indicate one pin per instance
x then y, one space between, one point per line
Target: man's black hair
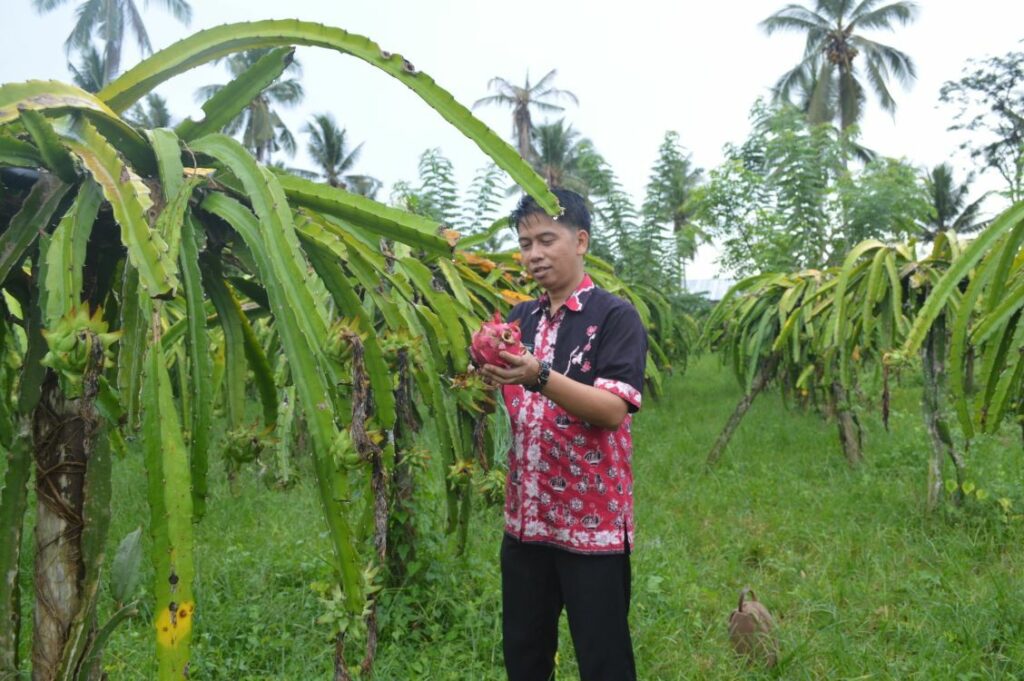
575 213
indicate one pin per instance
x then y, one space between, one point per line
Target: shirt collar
574 302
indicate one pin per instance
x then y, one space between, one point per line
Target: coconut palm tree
111 20
151 115
364 185
91 72
670 200
329 148
829 70
950 209
539 96
558 155
263 130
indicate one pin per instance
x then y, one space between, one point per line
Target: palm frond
303 173
494 99
205 92
543 82
90 74
864 7
87 17
134 18
238 123
547 107
876 77
884 17
499 83
180 10
47 5
555 92
897 62
353 156
284 138
364 185
286 92
794 18
797 77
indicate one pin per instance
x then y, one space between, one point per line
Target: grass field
864 584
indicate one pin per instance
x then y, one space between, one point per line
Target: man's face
552 253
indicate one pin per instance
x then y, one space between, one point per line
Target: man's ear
582 241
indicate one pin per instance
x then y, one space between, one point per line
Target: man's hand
522 369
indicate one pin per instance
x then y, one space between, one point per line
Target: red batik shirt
570 484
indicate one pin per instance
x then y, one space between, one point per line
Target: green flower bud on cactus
344 451
246 443
71 343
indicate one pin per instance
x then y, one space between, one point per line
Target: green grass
864 584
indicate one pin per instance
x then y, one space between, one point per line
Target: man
569 495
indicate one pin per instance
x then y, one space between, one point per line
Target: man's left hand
522 369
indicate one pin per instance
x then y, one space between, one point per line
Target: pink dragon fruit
494 337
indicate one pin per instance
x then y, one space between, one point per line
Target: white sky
639 68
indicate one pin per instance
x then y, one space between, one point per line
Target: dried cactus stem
933 364
64 432
362 405
764 375
848 425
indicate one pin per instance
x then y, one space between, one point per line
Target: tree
768 204
829 77
991 103
522 99
786 200
329 148
263 130
482 206
437 195
559 153
949 209
669 201
111 20
91 72
884 200
153 114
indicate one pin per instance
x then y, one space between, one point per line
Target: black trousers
537 581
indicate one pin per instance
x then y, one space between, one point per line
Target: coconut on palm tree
838 58
950 209
263 130
112 20
330 149
539 96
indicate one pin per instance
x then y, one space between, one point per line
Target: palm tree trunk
524 130
764 375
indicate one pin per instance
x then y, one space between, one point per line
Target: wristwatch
542 377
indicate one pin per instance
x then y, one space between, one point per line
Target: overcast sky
639 68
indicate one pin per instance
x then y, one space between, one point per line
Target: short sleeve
518 312
622 355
